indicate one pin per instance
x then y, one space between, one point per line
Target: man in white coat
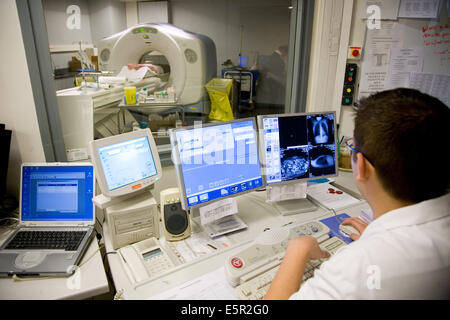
399 166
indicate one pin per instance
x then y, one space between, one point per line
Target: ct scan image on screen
299 147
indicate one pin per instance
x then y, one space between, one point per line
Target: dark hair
406 134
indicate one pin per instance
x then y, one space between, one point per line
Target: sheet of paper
403 62
211 286
436 85
134 75
286 192
440 88
419 9
421 81
330 196
217 210
197 245
375 63
388 8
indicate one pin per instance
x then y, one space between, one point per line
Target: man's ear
363 167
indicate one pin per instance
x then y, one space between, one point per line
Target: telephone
146 259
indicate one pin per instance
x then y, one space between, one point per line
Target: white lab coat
404 254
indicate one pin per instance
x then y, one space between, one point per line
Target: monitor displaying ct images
298 146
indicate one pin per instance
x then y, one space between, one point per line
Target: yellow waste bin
218 91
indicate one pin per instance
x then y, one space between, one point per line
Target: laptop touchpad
29 259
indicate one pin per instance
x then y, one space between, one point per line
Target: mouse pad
333 224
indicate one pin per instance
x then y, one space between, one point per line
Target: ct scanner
92 113
191 57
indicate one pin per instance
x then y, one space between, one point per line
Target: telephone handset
146 259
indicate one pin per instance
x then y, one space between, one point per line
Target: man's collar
415 214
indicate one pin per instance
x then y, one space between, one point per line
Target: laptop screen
57 193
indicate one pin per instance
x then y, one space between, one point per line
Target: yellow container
130 95
218 91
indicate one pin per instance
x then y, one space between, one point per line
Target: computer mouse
347 230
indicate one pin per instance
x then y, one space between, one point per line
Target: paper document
211 286
403 62
217 210
419 8
197 245
286 192
330 196
375 63
436 85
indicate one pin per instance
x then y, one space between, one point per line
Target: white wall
17 109
357 34
328 56
265 25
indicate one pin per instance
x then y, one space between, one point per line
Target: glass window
252 44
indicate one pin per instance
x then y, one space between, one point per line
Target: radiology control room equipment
214 163
191 58
126 167
252 269
296 148
146 259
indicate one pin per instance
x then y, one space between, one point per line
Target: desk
90 280
253 210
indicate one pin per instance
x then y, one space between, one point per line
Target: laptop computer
56 220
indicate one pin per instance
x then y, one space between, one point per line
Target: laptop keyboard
64 240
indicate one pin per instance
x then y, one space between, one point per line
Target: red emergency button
236 262
355 53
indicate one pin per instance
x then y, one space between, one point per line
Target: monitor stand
103 202
290 198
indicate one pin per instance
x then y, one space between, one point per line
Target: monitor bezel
177 162
132 187
262 150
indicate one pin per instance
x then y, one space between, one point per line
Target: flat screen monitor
298 147
216 161
126 163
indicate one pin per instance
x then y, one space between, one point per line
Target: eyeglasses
349 144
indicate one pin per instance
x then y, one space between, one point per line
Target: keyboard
52 240
257 287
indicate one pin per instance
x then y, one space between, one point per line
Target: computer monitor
298 147
126 163
215 161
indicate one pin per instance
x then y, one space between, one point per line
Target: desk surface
253 210
88 281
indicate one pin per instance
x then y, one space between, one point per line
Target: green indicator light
350 74
142 30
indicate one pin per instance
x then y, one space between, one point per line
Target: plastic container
130 95
143 95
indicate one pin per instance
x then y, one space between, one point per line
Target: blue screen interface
59 193
218 161
127 162
299 147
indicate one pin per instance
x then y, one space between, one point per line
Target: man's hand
311 245
356 223
289 277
